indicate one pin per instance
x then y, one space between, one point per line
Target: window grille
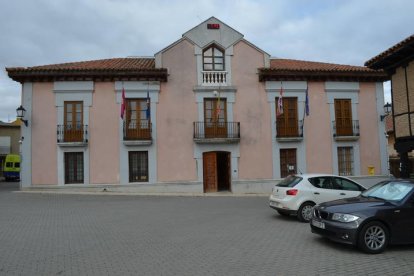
74 167
287 162
345 161
138 166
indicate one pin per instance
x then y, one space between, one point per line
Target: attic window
213 59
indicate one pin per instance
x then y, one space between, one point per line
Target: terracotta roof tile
102 64
301 65
291 69
115 68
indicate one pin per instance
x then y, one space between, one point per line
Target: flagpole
304 106
123 102
148 111
304 109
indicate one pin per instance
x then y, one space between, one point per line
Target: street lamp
20 114
387 111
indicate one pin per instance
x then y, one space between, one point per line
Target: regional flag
148 113
280 102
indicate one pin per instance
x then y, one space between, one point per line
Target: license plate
318 224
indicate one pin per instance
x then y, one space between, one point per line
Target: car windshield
394 191
289 181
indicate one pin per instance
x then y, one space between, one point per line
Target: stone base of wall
238 187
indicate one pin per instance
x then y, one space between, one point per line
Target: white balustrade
214 78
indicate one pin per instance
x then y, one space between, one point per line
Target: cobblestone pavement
60 234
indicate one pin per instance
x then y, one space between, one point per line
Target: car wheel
305 212
373 237
283 213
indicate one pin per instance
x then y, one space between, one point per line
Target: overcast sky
44 32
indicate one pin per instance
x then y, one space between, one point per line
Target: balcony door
73 124
287 122
137 125
215 118
343 117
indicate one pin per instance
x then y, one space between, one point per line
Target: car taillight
292 192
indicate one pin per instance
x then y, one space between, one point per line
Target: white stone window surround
138 89
355 153
234 150
228 53
72 91
290 89
343 90
61 164
229 93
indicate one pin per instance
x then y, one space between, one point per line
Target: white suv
297 194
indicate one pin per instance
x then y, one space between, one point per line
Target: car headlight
344 217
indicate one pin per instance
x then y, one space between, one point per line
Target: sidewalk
238 188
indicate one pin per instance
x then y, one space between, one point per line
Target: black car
381 215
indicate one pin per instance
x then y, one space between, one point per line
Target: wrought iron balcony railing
72 133
213 78
212 130
137 130
345 128
294 130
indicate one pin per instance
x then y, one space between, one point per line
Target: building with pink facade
210 112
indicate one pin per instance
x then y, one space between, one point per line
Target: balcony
214 78
216 132
289 132
72 135
137 133
345 130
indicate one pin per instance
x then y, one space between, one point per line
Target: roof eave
392 57
295 75
22 75
392 61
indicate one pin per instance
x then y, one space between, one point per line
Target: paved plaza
61 234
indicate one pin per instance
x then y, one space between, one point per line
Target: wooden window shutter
343 117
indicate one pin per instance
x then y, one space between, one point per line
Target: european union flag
148 113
